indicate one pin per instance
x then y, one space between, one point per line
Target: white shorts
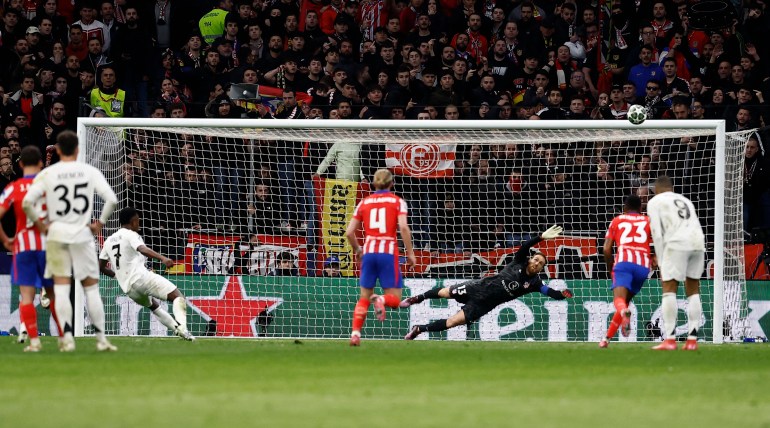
152 285
678 265
78 260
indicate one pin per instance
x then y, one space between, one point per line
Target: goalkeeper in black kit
479 296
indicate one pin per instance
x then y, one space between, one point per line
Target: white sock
180 311
669 310
63 309
95 310
165 318
694 311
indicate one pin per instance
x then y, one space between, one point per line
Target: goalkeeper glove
552 232
567 293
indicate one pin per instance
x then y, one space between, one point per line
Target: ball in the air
637 114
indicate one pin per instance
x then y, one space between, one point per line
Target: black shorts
471 295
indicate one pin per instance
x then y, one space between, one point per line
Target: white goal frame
704 127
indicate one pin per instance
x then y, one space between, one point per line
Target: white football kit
678 236
68 189
121 249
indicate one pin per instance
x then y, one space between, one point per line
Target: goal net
254 214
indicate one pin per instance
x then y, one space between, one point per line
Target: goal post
475 189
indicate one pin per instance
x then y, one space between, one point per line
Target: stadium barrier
253 306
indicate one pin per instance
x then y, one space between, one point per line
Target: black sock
431 294
438 325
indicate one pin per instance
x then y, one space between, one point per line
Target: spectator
672 85
618 108
285 265
95 57
11 30
346 157
158 111
26 99
55 123
197 191
332 267
449 234
684 58
645 71
87 83
48 10
698 110
92 27
655 105
170 96
131 45
742 120
262 211
553 109
629 94
289 109
756 186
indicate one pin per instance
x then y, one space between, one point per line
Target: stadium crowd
398 59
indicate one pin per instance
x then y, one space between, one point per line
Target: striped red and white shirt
379 214
632 236
28 238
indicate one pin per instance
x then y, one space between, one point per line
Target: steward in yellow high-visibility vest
107 96
212 25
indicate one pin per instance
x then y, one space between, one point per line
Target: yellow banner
339 204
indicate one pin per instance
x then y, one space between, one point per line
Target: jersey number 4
69 201
377 220
639 234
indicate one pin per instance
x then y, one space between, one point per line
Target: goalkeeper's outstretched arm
523 252
558 295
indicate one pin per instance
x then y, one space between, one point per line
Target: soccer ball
45 302
637 114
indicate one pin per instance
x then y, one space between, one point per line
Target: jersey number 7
116 247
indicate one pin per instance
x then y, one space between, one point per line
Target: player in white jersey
680 248
125 251
68 188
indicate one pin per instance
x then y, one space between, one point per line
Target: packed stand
388 59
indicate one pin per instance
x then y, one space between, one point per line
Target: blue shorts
28 268
382 266
630 276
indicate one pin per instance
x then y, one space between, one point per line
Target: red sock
55 318
620 304
391 300
614 325
359 314
29 315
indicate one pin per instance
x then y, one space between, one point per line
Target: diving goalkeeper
479 296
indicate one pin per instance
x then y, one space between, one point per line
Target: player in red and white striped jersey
28 246
383 215
631 265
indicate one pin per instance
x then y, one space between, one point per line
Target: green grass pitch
314 383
